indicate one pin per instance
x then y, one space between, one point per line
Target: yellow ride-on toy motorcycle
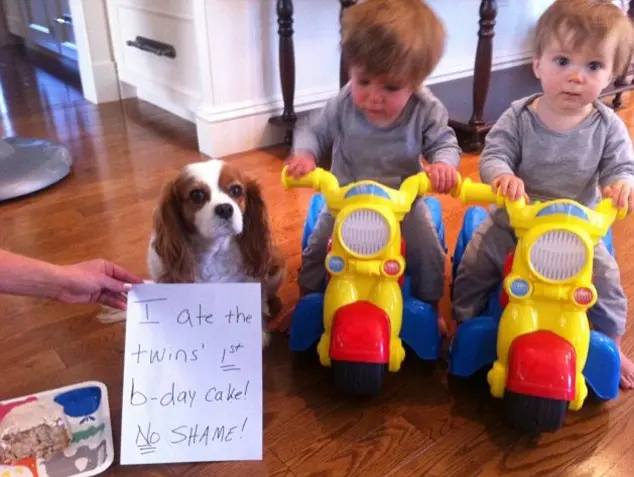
544 350
366 312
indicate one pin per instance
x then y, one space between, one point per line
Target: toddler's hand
300 165
621 193
509 185
444 177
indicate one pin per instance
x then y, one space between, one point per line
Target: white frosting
30 415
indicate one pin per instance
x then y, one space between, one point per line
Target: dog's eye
197 196
235 191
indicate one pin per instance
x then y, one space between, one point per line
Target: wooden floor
422 425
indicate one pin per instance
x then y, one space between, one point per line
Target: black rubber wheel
534 415
358 379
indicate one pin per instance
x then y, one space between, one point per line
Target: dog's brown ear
171 241
255 239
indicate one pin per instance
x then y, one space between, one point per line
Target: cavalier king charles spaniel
211 226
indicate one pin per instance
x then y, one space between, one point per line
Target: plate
88 413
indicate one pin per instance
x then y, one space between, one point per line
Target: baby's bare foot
627 372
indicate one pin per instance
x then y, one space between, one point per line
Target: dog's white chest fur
222 262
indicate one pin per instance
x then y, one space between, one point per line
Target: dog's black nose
224 211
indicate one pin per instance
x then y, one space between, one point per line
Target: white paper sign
192 389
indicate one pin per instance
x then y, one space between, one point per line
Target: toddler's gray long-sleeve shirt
389 154
559 164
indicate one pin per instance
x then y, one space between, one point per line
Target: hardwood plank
373 455
135 470
270 466
22 373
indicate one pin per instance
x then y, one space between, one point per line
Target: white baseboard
222 137
126 90
158 98
106 82
242 127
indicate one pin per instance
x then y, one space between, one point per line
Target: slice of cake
37 429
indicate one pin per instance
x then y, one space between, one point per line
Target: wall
511 43
243 44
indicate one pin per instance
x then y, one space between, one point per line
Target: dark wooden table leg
287 65
343 69
622 80
482 69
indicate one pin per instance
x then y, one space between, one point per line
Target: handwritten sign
192 389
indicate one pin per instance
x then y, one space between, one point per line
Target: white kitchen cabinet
43 23
155 48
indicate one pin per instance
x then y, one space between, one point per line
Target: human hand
95 281
621 193
509 185
300 164
444 177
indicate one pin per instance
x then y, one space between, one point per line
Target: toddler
378 126
560 143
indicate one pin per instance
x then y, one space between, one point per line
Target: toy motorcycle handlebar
327 184
602 217
319 179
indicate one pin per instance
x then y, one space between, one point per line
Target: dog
211 226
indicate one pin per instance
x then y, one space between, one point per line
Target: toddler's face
572 79
381 100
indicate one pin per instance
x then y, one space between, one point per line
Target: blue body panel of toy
420 321
475 342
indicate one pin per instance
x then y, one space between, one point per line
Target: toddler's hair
399 39
587 23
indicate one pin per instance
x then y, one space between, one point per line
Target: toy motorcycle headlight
365 232
558 255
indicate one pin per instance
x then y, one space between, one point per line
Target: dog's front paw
107 315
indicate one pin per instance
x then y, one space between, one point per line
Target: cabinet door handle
65 19
152 46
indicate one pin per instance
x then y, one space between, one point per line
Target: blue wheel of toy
603 366
420 329
306 322
317 203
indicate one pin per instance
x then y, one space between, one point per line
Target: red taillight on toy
583 296
391 267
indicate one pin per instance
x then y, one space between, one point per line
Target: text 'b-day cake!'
34 429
